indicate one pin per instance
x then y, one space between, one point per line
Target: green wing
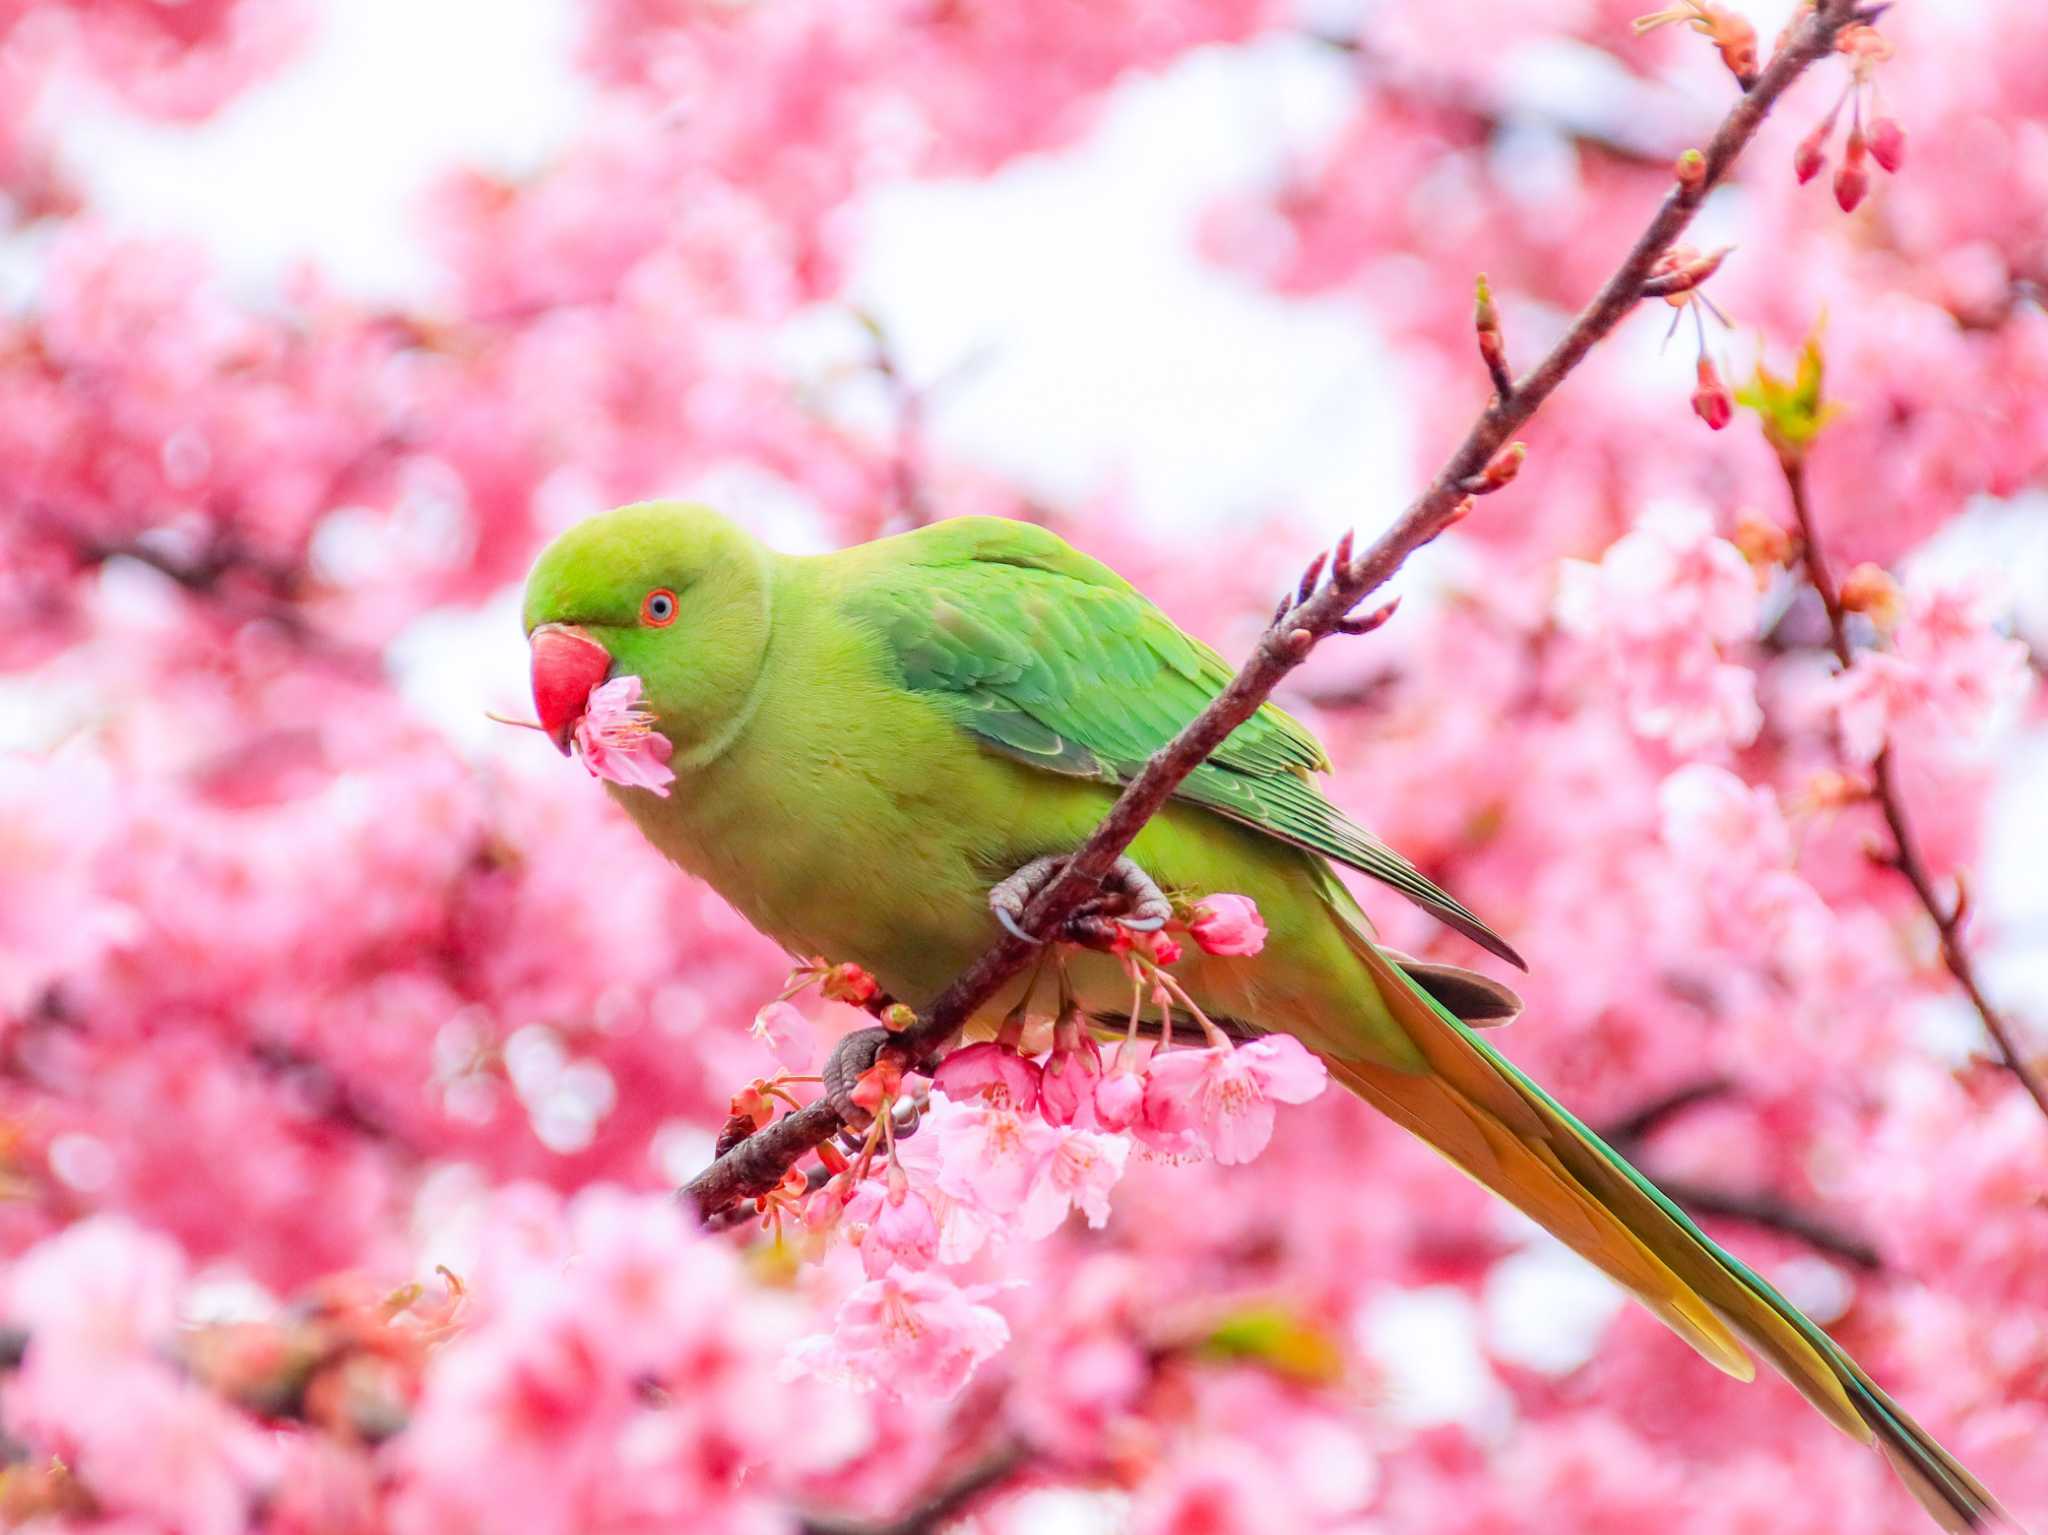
1052 658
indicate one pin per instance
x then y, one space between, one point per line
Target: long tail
1511 1136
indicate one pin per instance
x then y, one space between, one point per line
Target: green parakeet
865 742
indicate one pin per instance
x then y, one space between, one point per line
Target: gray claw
853 1055
1132 898
1011 925
1149 907
909 1117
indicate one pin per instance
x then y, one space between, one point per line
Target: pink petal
1285 1071
786 1034
1229 925
989 1071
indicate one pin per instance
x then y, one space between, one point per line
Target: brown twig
758 1164
1654 1115
1771 1213
1905 855
950 1502
1763 1210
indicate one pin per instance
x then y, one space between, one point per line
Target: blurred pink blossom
1947 674
907 1332
1662 608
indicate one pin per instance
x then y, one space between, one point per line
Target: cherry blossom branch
1905 855
1654 1115
1769 1213
1763 1210
1484 117
1483 462
948 1504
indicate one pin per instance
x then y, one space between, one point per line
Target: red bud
1888 143
881 1081
849 983
1710 400
1736 39
1811 154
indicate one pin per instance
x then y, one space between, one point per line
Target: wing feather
1053 659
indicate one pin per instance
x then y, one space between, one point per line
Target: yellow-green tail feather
1503 1130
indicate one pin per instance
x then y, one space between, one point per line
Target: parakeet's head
671 593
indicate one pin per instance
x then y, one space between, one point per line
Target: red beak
567 666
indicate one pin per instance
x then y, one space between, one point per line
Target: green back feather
1052 658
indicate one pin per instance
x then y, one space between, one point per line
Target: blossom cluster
345 1067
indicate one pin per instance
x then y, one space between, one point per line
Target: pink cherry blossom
965 1227
1709 815
895 1225
992 1072
907 1332
990 1155
1119 1097
1077 1174
1947 671
1662 607
618 741
1228 924
1225 1094
787 1035
1067 1085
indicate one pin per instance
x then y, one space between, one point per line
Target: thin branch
952 1501
1490 118
1771 1213
758 1164
1658 1112
1905 855
1763 1210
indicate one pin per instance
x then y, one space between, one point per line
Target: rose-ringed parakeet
866 742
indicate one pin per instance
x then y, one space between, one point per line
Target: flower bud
1831 789
1711 401
1229 925
1690 169
880 1082
849 983
1888 143
1119 1099
1763 542
1811 157
1864 45
1485 317
1486 323
1736 39
1852 181
1160 947
1500 470
753 1102
1871 591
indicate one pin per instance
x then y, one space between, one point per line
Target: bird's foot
851 1059
1130 900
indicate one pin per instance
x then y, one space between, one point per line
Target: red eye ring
658 610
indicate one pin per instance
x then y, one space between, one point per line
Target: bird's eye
660 608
